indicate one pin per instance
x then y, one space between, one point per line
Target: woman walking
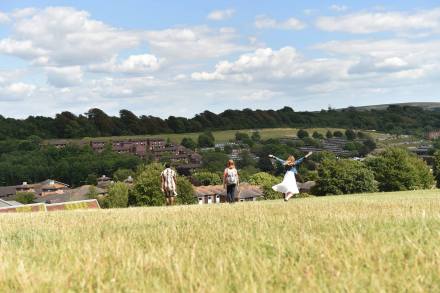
230 181
289 186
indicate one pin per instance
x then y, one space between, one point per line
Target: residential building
217 193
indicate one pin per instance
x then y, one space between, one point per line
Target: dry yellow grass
380 242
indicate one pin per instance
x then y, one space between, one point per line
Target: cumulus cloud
259 95
64 76
64 36
16 91
338 8
3 17
268 64
194 42
134 64
263 21
372 22
218 15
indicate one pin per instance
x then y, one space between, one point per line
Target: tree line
395 119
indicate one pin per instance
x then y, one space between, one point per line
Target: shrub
25 197
436 168
147 187
208 178
329 134
117 196
185 191
302 134
189 143
344 177
122 174
350 134
266 181
396 169
206 140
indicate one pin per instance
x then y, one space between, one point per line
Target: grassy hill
423 105
372 243
222 136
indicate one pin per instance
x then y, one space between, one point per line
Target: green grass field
364 243
225 135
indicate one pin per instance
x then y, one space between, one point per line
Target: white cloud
134 64
371 22
64 76
194 42
64 36
263 21
218 15
3 17
16 91
268 64
338 8
259 95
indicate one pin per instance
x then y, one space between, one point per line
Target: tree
205 140
246 160
266 181
338 133
189 143
436 168
302 134
396 169
317 135
350 134
121 174
185 191
147 187
344 177
214 161
25 197
117 196
227 149
329 134
256 137
208 178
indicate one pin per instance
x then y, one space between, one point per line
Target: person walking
231 181
289 186
169 184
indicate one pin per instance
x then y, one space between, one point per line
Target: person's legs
288 196
233 193
172 200
229 193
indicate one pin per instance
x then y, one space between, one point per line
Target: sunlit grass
380 242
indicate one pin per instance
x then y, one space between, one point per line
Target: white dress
288 185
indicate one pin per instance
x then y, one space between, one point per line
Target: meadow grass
361 243
222 135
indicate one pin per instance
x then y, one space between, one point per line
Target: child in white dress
289 186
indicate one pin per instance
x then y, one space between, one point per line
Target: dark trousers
230 193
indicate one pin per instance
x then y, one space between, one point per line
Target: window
200 200
217 199
209 199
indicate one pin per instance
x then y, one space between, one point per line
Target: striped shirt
168 176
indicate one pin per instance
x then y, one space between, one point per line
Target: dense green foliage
266 181
436 168
394 119
207 178
396 170
189 143
147 188
25 197
117 196
73 165
344 177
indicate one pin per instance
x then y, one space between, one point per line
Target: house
9 203
433 135
217 194
7 191
104 181
306 187
50 187
75 194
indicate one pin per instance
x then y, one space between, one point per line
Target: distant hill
433 106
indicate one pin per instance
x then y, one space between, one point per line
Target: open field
379 242
223 135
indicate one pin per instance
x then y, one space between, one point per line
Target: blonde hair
290 161
230 164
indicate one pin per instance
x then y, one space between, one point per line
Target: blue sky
182 57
